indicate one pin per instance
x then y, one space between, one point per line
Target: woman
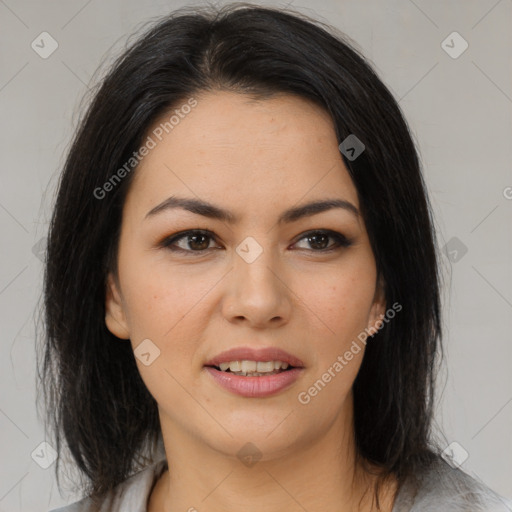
242 288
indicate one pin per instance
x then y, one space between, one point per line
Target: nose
257 292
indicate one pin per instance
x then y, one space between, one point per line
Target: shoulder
129 496
443 487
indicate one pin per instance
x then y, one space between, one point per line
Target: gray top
440 489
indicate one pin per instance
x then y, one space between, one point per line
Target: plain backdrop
459 108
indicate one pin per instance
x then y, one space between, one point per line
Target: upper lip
255 354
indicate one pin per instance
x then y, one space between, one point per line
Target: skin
256 159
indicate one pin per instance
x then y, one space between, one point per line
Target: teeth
256 374
253 367
265 366
237 366
249 366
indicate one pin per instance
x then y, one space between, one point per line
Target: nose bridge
258 291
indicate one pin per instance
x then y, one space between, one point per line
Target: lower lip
255 387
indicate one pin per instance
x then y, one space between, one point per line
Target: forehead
232 149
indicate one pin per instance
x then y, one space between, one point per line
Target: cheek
341 306
159 297
170 308
340 300
165 308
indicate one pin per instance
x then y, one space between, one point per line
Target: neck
319 474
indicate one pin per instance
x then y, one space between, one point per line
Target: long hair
97 404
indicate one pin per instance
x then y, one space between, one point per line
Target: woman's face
252 282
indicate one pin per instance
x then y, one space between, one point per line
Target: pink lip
251 354
255 387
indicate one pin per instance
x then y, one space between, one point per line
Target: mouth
255 373
248 368
247 361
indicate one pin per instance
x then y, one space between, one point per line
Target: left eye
198 241
320 238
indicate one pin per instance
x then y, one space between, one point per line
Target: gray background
458 108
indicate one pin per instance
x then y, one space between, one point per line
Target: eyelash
340 241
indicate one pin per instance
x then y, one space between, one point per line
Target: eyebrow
293 214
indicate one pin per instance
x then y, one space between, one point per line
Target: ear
378 309
115 317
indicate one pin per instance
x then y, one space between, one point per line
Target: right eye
194 241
